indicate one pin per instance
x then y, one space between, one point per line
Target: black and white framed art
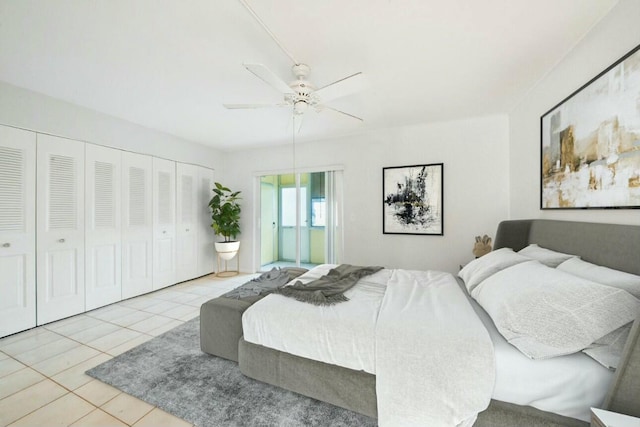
412 199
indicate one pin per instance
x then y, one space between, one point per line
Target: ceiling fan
300 94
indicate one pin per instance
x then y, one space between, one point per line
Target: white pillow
481 268
546 312
603 275
546 256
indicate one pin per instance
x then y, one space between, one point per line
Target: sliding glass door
299 215
268 221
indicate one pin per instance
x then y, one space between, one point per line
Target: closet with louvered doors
103 259
60 228
206 236
137 224
17 230
164 223
83 226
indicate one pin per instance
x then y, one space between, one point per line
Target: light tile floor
42 379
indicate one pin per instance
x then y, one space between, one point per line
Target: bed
352 383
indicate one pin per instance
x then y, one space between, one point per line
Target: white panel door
60 228
206 236
164 223
17 230
137 224
187 222
103 281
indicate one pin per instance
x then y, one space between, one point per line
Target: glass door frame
257 211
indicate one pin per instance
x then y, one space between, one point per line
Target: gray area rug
171 372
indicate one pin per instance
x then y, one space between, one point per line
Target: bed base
347 388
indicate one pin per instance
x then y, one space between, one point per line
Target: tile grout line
49 403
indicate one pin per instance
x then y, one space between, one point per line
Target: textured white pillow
546 312
481 268
546 256
603 275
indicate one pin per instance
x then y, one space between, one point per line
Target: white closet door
164 223
137 224
17 230
187 222
103 259
60 228
206 236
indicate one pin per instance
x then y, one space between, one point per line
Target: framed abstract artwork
590 143
412 199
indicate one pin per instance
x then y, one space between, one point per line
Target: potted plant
225 215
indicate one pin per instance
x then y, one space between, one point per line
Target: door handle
61 241
6 245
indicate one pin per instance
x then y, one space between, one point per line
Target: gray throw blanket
266 283
328 289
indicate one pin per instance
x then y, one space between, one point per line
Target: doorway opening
300 219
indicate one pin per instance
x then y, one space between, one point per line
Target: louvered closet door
60 218
17 230
164 223
206 236
137 224
103 281
187 222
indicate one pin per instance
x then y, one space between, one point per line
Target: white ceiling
171 64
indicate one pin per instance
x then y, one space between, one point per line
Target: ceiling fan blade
324 107
251 106
268 77
343 87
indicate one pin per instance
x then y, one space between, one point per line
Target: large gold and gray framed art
590 143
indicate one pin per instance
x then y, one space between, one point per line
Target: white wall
475 156
610 39
33 111
491 164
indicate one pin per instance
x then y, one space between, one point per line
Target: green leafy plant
225 212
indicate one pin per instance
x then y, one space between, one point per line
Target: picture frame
412 199
590 143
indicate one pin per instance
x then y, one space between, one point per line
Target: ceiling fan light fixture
300 107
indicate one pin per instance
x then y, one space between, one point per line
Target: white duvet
340 334
344 335
415 330
434 358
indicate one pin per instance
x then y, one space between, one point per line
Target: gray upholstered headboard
612 245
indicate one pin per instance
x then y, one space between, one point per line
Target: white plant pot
227 250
